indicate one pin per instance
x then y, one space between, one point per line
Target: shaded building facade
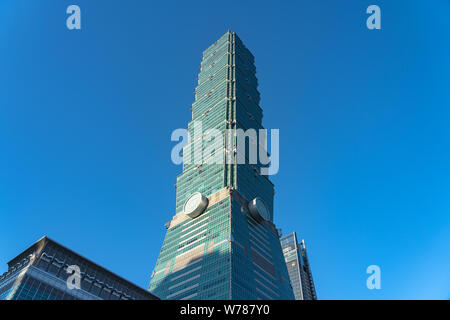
222 242
298 267
40 273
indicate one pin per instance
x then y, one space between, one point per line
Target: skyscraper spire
221 242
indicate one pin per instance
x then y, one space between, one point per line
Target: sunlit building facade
41 273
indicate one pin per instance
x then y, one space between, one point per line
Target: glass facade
298 267
40 273
224 253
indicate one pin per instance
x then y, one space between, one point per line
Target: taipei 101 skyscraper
222 242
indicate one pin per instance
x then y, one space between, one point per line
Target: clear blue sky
86 118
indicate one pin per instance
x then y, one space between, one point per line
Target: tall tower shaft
221 242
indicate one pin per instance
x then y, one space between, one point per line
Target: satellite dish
195 205
258 209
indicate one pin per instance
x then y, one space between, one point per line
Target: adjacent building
40 273
221 242
298 267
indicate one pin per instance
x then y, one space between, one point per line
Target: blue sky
86 118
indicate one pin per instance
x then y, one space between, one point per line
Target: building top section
65 256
